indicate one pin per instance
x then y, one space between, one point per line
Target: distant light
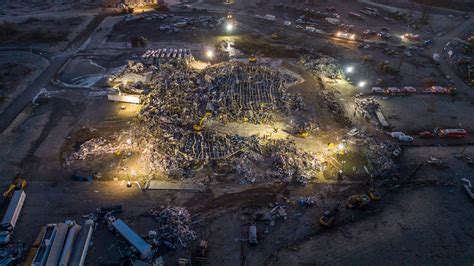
349 69
134 173
209 54
129 141
229 27
361 84
340 146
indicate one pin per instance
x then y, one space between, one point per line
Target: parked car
391 90
408 89
377 90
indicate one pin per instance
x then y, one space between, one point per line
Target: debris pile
322 66
173 227
367 108
238 91
183 98
90 149
380 155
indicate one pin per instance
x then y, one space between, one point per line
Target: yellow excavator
278 35
199 127
18 184
252 59
302 134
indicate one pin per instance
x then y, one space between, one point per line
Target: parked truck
133 238
269 17
454 133
11 216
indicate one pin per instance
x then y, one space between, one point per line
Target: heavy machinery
18 184
278 35
358 201
202 251
199 126
302 134
328 217
252 59
373 194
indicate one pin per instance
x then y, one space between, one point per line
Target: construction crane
199 126
18 184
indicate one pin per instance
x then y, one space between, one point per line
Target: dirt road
25 98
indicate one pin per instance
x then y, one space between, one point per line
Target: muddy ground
427 220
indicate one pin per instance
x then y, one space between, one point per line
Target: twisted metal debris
173 227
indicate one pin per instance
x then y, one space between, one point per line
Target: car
299 27
384 35
393 90
405 138
385 29
370 33
407 53
411 37
426 134
408 89
377 90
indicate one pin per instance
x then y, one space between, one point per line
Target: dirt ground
426 220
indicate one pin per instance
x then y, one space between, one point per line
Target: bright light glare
349 69
340 146
229 27
129 141
210 54
361 84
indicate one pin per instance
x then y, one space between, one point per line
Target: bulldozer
373 194
253 59
328 217
202 251
17 184
358 201
278 35
199 126
302 134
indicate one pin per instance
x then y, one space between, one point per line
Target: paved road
444 64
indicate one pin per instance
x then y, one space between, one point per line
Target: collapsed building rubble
229 92
173 227
380 154
116 143
367 108
322 65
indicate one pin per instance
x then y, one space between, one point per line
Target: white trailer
81 247
133 238
11 215
57 245
69 245
269 17
45 246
